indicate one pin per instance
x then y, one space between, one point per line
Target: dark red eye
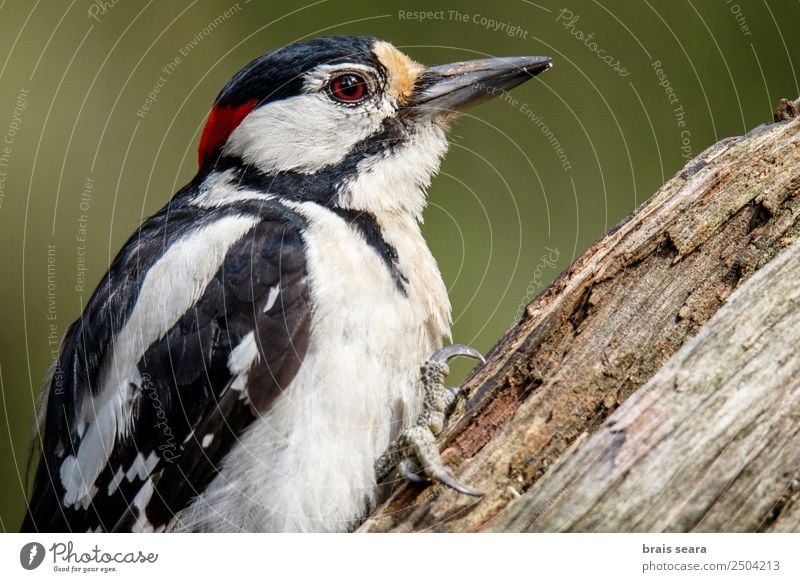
348 88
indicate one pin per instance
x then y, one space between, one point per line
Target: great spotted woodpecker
250 360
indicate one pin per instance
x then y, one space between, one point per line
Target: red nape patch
222 120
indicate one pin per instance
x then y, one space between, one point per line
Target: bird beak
454 87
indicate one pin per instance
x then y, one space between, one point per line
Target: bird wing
131 456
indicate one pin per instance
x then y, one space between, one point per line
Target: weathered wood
607 325
710 443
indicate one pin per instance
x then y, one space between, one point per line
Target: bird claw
410 470
447 479
434 470
415 452
447 353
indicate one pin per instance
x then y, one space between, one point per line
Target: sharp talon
453 351
407 467
453 483
424 462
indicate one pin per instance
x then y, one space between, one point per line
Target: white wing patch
78 472
271 298
141 467
140 502
242 357
116 480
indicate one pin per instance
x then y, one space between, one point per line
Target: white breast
307 464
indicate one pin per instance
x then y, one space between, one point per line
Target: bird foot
415 451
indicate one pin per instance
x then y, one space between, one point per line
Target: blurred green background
531 179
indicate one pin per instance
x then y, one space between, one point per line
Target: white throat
391 184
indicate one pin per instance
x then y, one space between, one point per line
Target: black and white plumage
255 345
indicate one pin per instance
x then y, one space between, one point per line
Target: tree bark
707 438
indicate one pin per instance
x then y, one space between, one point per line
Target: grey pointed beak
456 86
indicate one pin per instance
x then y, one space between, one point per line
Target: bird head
352 119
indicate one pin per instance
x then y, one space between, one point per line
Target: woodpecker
251 359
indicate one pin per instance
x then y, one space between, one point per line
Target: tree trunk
707 438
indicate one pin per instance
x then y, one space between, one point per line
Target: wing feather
193 392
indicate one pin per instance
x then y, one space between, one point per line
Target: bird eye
348 88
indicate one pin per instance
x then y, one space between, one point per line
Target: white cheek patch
302 134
